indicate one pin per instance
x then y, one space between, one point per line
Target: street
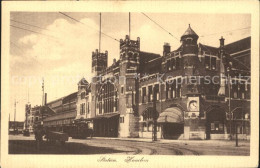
19 144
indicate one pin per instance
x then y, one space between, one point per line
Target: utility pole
99 32
42 98
229 103
15 115
129 25
155 116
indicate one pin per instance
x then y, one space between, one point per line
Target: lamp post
236 124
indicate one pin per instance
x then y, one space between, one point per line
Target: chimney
45 99
166 48
222 42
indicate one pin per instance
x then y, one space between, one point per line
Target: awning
105 116
171 115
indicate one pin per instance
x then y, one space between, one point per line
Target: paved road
27 145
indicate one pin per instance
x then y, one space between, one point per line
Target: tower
99 62
189 50
190 60
128 99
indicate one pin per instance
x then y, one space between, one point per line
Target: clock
193 105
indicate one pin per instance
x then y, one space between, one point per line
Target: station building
198 91
118 102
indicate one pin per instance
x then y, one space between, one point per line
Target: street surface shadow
30 147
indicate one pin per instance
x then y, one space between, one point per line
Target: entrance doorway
215 121
172 130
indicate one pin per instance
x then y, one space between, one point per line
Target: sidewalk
210 142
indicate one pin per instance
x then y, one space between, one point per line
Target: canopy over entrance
171 115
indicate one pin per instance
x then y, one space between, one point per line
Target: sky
59 49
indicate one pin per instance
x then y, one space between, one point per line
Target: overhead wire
89 26
32 31
28 24
159 25
226 31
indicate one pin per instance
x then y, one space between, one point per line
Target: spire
189 32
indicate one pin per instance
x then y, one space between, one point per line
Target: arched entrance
172 123
215 121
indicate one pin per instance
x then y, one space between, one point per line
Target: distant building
62 113
16 126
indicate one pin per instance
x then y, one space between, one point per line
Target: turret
99 61
189 41
166 49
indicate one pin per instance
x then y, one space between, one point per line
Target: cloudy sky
59 49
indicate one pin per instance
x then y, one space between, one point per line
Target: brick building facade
120 96
193 97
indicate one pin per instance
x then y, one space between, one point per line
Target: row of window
109 105
210 63
240 91
107 99
83 108
174 63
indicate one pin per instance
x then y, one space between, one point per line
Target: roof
151 61
146 56
213 50
152 66
83 81
60 116
239 45
190 32
72 94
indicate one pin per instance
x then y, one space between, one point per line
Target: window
122 89
173 63
156 91
88 108
144 127
82 95
178 89
207 62
210 62
177 62
82 108
216 127
213 63
150 126
168 65
150 93
121 119
143 94
171 90
107 98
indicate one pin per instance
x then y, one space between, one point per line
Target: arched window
107 98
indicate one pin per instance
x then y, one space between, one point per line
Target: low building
16 126
63 113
